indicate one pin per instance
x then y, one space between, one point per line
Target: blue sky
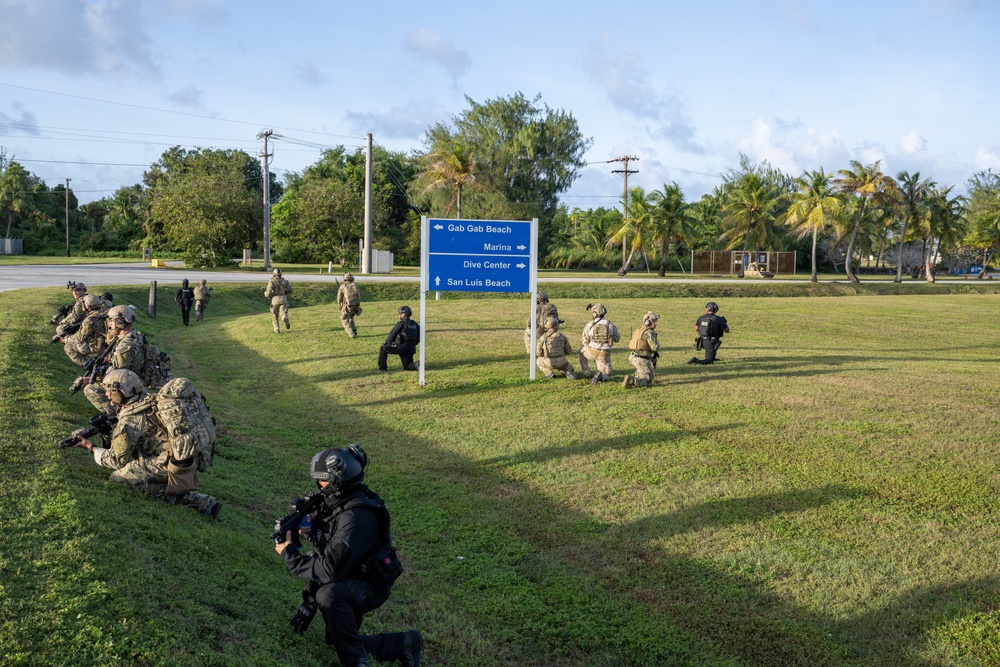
685 87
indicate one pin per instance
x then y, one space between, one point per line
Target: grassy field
827 494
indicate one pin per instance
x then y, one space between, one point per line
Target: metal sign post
478 256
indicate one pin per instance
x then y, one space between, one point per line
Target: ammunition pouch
698 344
182 476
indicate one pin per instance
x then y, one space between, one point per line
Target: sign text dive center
479 256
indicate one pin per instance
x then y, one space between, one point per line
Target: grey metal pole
152 299
366 255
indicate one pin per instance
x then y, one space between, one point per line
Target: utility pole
264 134
625 172
366 254
67 215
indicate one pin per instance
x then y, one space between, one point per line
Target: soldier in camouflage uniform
202 293
349 300
128 353
644 350
598 336
543 311
278 290
75 316
88 341
139 446
551 350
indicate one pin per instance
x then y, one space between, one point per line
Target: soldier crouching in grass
551 350
711 327
353 565
402 340
644 350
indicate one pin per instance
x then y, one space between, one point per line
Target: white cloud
74 36
762 144
986 157
408 122
427 43
912 143
623 77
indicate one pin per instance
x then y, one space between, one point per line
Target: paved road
56 275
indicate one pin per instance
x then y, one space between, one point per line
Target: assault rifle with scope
99 423
63 312
95 368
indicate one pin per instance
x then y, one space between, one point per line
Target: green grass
825 495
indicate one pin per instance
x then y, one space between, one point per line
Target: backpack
183 413
353 294
155 365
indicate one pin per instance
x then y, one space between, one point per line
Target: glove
304 614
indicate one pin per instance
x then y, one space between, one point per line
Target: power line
96 164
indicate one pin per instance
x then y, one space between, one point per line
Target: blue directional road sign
479 256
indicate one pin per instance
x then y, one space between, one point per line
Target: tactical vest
638 343
705 325
381 565
601 333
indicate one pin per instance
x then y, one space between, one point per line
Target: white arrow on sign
438 226
522 247
437 280
520 266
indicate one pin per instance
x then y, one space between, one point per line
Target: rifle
63 312
99 423
96 368
67 330
290 523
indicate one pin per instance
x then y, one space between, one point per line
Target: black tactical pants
405 356
710 345
343 607
186 311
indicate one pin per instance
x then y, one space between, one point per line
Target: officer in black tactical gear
402 340
350 533
711 328
185 297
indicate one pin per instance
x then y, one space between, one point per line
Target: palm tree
984 215
815 205
748 210
636 226
946 222
449 165
912 193
670 220
869 184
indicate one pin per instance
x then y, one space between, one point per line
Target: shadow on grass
719 614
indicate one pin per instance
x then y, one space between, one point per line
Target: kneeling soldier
552 349
644 350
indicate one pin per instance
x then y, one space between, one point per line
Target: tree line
511 158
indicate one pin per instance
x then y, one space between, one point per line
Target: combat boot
570 376
693 360
413 649
287 325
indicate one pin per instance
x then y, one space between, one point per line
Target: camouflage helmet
712 307
650 317
551 323
123 382
122 314
108 296
276 273
348 278
77 287
92 302
541 297
405 309
343 468
598 310
203 282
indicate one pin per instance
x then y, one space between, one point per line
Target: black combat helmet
184 283
712 306
343 468
405 309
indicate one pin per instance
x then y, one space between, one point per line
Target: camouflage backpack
190 427
155 365
352 293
